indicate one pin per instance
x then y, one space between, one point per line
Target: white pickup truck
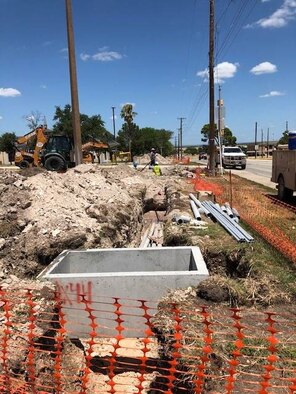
232 156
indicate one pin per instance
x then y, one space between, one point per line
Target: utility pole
262 143
267 141
220 104
255 140
181 137
74 88
212 89
113 117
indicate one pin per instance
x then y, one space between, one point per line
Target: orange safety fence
69 343
200 184
275 223
184 160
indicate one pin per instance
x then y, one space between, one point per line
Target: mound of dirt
86 207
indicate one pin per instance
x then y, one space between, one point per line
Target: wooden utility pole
74 88
212 90
181 137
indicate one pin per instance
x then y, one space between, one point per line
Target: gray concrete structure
97 277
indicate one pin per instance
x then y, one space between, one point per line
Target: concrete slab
102 276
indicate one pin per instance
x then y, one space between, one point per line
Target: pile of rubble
86 207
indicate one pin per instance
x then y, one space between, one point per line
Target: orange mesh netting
82 343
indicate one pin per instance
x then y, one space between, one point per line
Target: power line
236 25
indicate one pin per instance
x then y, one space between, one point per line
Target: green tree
127 137
191 151
7 141
228 138
285 138
158 139
142 140
92 127
127 113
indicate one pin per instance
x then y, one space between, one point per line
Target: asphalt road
258 170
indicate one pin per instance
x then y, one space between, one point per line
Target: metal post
220 130
267 142
256 140
74 88
113 117
178 144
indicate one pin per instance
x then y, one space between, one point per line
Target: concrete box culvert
102 276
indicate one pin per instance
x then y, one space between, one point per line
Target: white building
3 158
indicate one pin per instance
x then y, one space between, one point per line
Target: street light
113 117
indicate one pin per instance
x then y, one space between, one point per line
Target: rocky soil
87 207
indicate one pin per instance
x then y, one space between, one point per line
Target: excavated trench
31 245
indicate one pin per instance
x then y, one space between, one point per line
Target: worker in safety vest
156 169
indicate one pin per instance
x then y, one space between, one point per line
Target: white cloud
281 17
84 57
222 71
273 93
43 86
9 92
107 56
1 117
102 56
64 50
264 68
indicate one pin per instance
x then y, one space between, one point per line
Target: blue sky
153 54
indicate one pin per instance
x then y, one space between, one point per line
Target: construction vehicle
284 171
38 147
89 148
54 152
124 156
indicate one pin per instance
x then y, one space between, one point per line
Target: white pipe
199 204
195 211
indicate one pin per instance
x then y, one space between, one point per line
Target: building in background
4 158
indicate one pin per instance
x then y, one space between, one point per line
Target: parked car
202 156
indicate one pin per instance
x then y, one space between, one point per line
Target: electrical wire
236 26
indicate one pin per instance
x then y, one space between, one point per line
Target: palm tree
128 115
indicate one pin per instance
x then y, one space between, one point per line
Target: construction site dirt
43 213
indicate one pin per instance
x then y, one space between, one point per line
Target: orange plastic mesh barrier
201 184
275 223
184 160
185 348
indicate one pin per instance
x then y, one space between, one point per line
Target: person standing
152 157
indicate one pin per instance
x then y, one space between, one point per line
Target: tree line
129 138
